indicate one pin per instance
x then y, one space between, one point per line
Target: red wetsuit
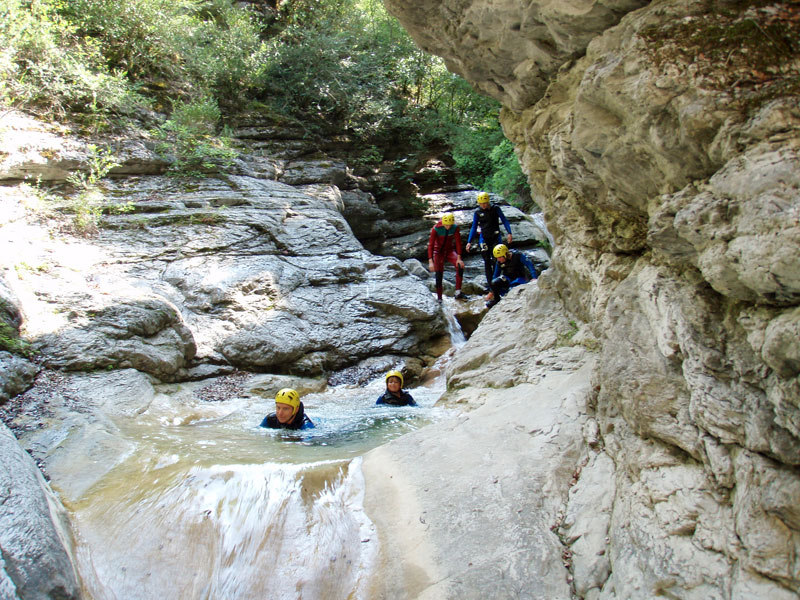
445 245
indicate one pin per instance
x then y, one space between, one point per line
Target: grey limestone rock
674 211
16 375
35 538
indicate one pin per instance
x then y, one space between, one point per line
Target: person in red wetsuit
444 245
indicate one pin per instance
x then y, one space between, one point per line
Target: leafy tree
46 66
328 64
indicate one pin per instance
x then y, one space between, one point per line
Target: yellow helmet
448 219
290 397
397 374
482 197
500 250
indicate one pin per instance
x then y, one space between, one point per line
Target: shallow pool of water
210 505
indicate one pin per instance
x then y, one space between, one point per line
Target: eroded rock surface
669 182
239 270
34 533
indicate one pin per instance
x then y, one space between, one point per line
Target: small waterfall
210 506
457 338
279 531
538 219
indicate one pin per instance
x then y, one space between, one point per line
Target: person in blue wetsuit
487 218
395 395
512 269
289 412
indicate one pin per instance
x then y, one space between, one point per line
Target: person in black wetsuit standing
487 219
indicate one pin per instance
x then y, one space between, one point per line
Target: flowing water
538 219
212 506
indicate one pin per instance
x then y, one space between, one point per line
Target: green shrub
193 48
45 65
507 178
189 137
97 56
87 206
472 148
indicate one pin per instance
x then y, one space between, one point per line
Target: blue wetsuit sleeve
496 273
411 401
529 265
307 423
264 422
506 224
473 229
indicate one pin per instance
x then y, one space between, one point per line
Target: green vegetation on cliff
334 66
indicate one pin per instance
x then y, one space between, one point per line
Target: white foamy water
212 506
457 338
235 531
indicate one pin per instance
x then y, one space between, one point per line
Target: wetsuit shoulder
271 422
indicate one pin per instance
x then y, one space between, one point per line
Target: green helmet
500 250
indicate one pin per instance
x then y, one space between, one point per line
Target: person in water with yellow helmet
395 395
289 412
513 268
444 245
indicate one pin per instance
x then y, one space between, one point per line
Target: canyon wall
661 141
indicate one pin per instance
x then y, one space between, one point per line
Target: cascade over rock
631 421
184 280
670 184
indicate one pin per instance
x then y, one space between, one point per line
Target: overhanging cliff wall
662 142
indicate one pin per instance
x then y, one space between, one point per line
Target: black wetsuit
405 399
516 270
488 222
300 421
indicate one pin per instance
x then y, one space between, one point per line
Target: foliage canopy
332 65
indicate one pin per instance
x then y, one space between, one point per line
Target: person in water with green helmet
395 395
289 412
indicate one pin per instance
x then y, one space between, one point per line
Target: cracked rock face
31 517
669 181
508 49
243 272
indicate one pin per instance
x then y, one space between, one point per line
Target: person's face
393 384
483 205
283 412
501 259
